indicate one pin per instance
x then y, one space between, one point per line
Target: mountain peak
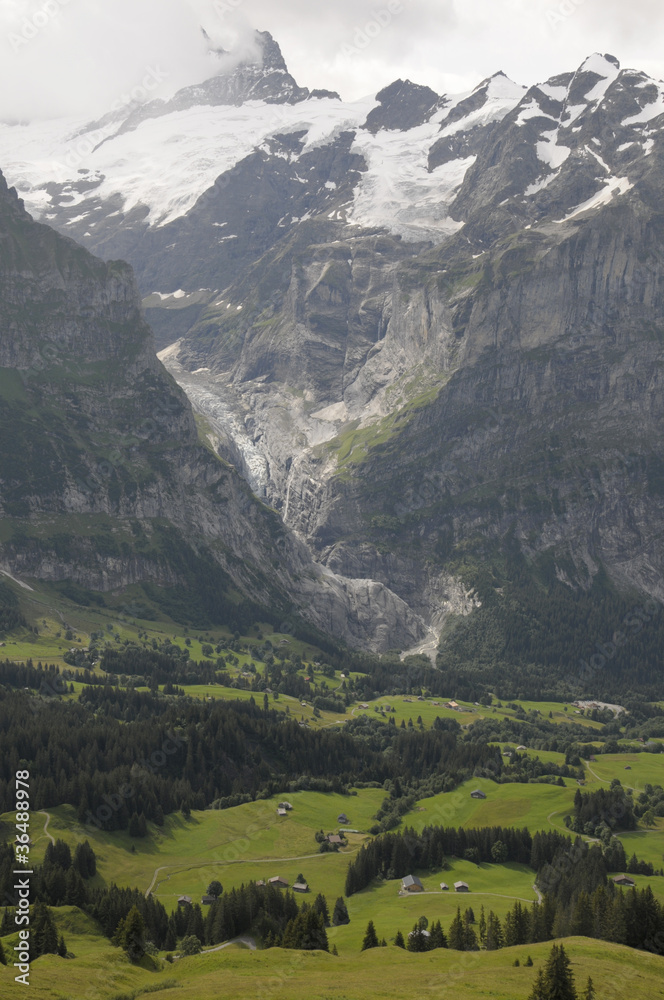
272 56
602 65
500 86
402 105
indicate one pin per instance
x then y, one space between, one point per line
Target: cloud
81 56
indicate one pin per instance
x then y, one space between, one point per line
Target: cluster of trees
44 938
10 611
395 855
611 808
271 914
59 881
650 804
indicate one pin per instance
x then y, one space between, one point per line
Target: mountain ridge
379 308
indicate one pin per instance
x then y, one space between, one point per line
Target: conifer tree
320 906
558 975
340 914
130 934
370 937
540 989
456 936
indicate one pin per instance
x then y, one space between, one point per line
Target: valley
331 505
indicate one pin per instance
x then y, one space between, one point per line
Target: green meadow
101 972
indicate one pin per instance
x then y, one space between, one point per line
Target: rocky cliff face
420 323
103 478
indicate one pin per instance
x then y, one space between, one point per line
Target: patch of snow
652 110
540 184
599 159
572 112
549 152
614 187
599 64
555 93
501 88
608 71
531 110
77 218
502 97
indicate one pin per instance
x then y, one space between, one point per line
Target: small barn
208 900
285 805
300 887
411 883
278 882
624 880
478 794
184 900
461 887
281 812
334 838
444 887
342 818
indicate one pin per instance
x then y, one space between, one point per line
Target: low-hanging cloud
80 56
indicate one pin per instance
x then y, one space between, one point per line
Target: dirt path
42 812
557 812
605 781
249 941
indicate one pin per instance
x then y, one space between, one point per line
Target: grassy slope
245 843
102 973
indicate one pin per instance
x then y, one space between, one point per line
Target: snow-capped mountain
366 296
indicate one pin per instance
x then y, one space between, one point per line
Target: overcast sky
82 56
